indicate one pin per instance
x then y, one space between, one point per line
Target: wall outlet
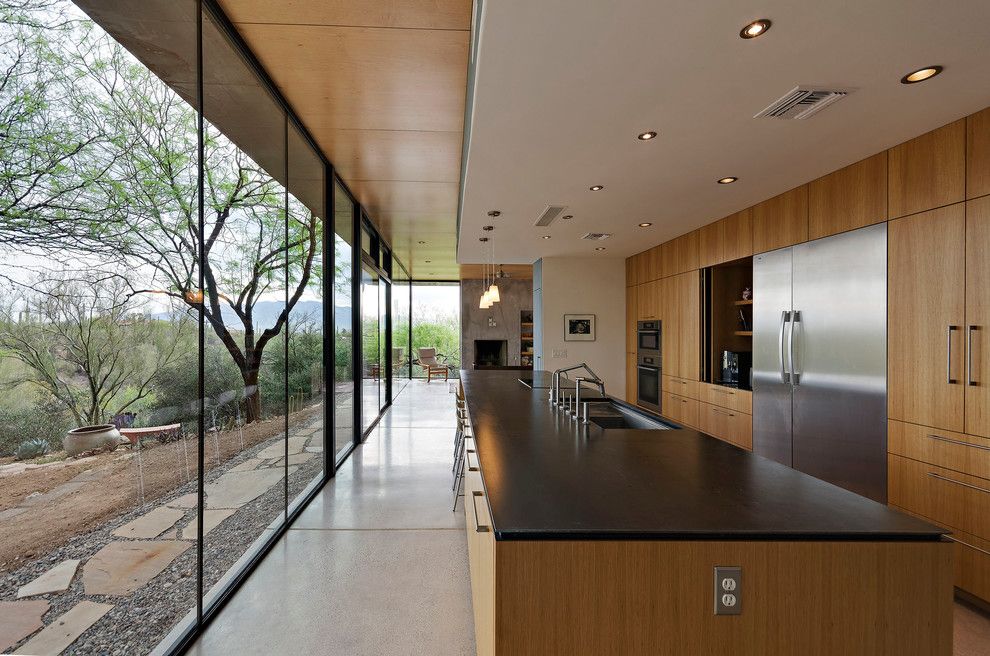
491 322
559 353
728 590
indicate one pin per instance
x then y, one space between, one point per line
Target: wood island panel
625 598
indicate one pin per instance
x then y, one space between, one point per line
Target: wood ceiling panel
383 198
393 154
417 14
366 78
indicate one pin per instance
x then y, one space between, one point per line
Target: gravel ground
139 622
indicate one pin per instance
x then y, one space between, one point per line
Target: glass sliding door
383 360
400 328
371 369
343 328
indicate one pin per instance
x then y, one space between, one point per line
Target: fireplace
490 353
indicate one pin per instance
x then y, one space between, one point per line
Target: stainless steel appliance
820 358
648 364
735 368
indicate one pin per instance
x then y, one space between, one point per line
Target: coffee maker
736 366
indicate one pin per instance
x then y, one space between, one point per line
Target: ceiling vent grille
802 102
597 236
549 215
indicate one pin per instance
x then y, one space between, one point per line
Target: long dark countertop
546 477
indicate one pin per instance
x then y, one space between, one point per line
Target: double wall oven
648 365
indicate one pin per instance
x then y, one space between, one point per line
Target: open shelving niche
728 318
526 338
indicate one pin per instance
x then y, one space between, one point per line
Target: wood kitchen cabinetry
850 198
977 329
681 325
648 300
978 154
632 315
928 171
728 239
781 221
679 255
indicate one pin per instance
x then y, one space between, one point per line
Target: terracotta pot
90 438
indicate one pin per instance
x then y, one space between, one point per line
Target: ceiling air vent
597 236
550 214
802 102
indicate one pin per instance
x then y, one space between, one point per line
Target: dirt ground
110 485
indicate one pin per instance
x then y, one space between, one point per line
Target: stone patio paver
57 579
247 465
56 493
185 501
19 619
151 524
121 567
294 459
211 519
234 489
66 629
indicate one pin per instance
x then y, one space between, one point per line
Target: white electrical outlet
560 353
728 592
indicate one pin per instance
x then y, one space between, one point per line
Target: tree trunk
252 395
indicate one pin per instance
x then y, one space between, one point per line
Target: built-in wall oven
648 365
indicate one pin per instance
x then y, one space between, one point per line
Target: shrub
30 449
42 420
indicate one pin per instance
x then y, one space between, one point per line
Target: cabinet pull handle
969 355
468 458
964 484
971 546
722 391
948 355
959 442
723 412
478 526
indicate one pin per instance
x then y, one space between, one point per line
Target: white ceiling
563 88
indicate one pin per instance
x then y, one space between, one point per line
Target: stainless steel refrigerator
820 358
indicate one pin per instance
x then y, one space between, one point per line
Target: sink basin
612 416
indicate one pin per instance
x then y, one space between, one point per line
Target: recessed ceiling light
921 75
727 180
646 136
596 187
755 29
546 236
421 242
600 248
428 261
645 225
567 217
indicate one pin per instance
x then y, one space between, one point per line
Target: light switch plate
560 353
728 590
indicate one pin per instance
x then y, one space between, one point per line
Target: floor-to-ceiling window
343 328
436 322
401 348
164 274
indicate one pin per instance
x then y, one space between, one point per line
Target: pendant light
485 302
493 289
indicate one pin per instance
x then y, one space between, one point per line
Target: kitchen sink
612 416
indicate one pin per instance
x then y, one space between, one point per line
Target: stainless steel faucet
555 382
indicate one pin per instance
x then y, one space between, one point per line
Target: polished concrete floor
377 564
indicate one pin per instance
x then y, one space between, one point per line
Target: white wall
592 285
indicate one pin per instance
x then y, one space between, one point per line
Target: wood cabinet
680 386
654 265
680 254
632 316
850 198
978 317
631 382
632 275
928 171
781 221
727 397
481 560
680 409
956 451
643 267
731 426
978 154
648 300
681 296
925 314
725 240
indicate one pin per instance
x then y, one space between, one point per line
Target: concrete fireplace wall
516 295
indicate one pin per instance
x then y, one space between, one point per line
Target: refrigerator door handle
948 355
784 316
795 377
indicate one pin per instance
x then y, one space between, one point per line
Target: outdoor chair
433 363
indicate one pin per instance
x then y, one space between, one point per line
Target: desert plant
30 449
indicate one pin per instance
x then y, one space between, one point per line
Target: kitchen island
592 541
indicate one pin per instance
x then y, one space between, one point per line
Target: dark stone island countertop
547 477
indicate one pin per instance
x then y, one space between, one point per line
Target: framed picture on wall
579 327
